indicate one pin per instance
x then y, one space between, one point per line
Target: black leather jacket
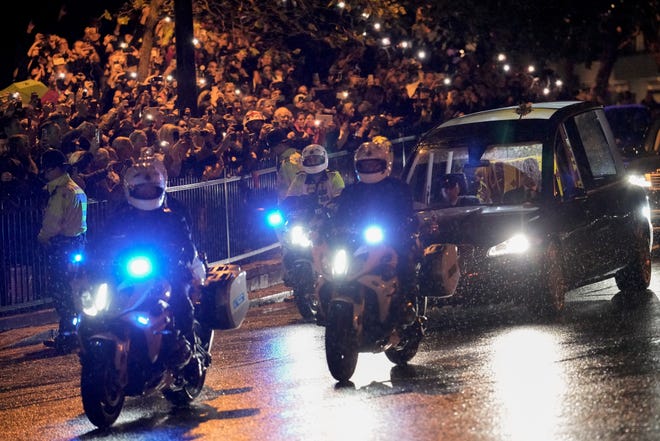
164 229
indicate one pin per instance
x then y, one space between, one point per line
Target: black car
632 126
637 136
525 203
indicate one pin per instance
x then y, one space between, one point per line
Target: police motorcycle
361 304
295 222
126 333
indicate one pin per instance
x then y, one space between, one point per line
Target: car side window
567 178
417 178
591 149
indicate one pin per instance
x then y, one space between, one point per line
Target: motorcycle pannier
224 302
439 274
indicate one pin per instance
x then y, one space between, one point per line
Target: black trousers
61 267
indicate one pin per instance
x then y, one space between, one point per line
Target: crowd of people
257 102
252 96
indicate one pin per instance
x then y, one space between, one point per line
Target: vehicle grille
654 178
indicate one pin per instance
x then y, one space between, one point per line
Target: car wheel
552 294
636 276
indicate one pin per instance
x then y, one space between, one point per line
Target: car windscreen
494 163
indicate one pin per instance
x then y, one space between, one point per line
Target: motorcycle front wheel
306 303
341 345
102 395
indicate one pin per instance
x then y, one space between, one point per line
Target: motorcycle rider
148 217
315 179
313 188
377 196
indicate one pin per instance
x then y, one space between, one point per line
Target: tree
563 31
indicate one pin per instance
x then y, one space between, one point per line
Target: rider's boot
65 340
182 352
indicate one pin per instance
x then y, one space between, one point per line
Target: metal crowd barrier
228 225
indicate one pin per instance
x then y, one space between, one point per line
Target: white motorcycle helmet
373 160
314 159
145 183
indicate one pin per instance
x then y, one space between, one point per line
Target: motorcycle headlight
95 299
517 244
340 263
298 237
374 235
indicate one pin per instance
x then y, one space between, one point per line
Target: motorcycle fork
100 343
356 297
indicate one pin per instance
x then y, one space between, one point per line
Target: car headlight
298 237
517 244
639 180
95 299
646 210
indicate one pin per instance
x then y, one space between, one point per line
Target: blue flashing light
374 234
139 267
275 218
142 320
77 258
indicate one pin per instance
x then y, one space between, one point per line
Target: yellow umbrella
25 89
